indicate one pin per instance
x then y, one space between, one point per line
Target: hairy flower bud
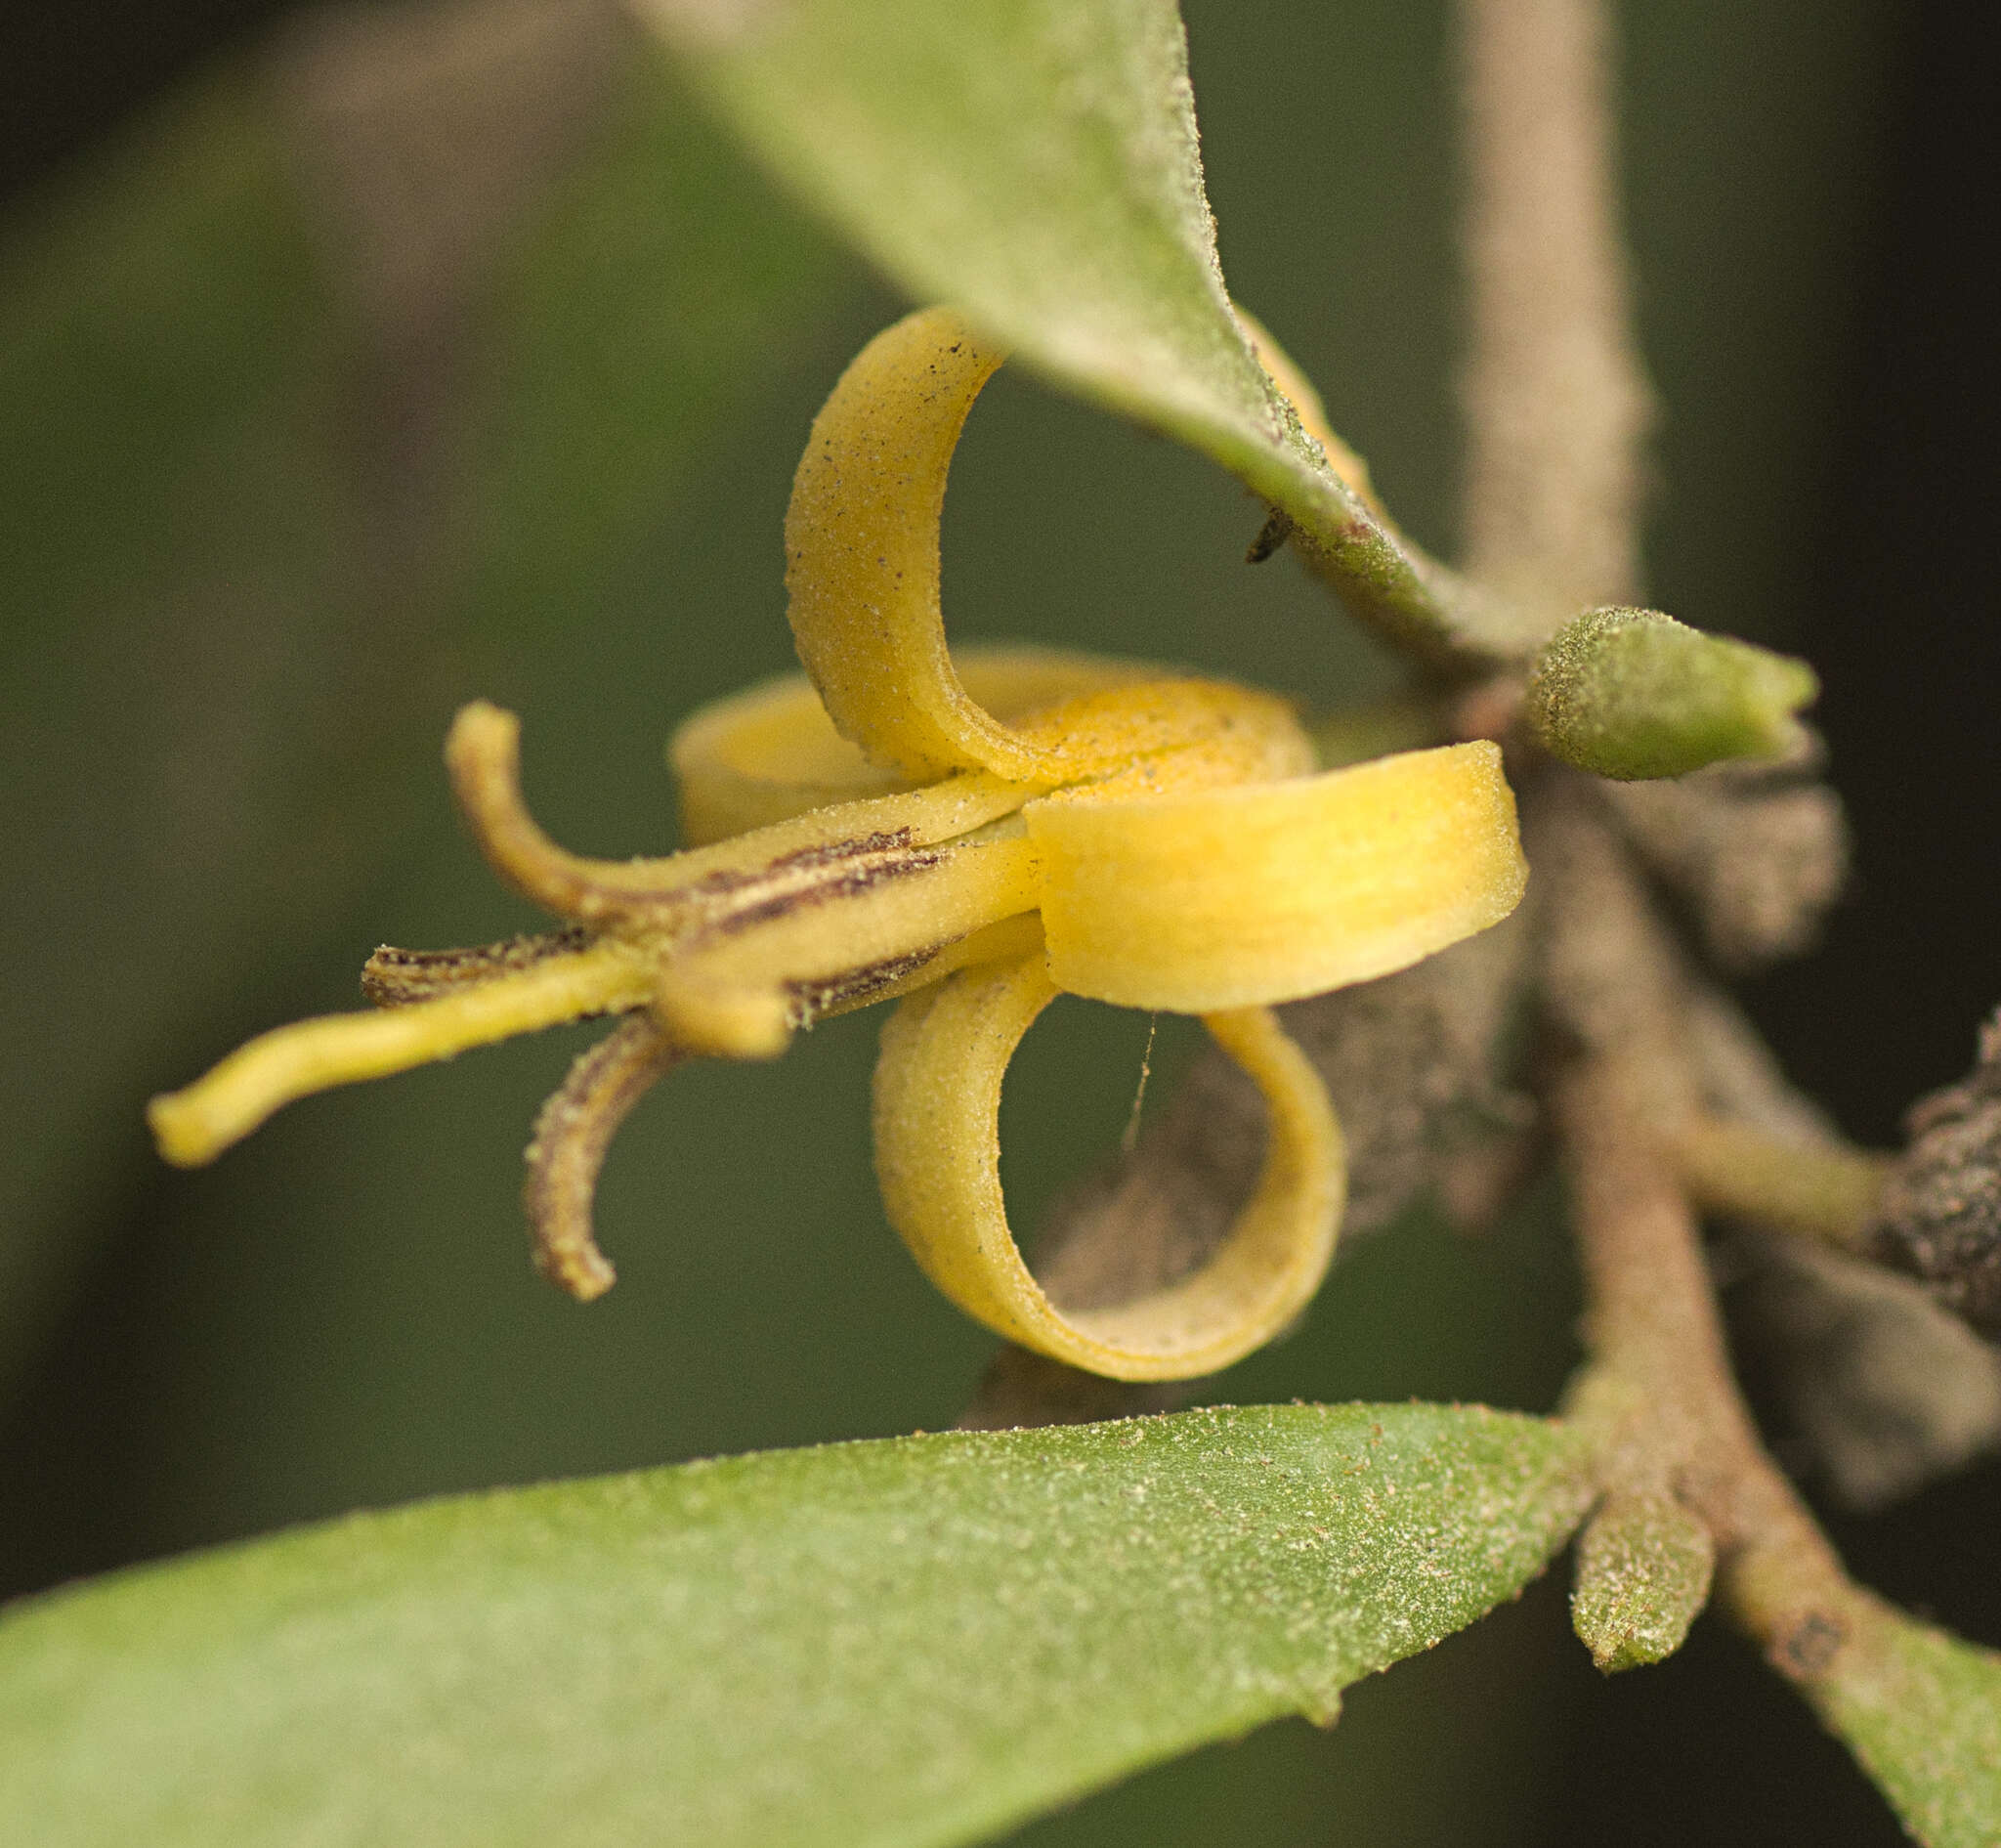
1942 1210
1633 694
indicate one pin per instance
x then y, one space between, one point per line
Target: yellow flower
885 826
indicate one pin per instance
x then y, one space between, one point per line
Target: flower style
886 827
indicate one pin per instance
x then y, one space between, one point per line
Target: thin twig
1661 1377
1659 1390
1824 1191
1557 397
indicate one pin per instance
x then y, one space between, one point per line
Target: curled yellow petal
764 755
771 752
483 754
1223 897
937 1156
861 552
862 567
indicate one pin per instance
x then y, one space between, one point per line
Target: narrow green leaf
1633 694
913 1641
1921 1709
1035 163
1644 1570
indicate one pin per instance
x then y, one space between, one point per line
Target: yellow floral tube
937 1159
771 752
1270 891
771 758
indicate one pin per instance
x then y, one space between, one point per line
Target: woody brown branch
1659 1394
1660 1360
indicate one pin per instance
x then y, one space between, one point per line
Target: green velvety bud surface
1633 694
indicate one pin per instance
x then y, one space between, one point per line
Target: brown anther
727 904
568 1149
396 978
816 998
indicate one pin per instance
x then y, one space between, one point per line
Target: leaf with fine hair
920 1640
1921 1709
1037 166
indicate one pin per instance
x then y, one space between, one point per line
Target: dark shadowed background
356 364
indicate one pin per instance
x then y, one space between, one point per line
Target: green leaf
1921 1709
1035 163
1634 694
912 1640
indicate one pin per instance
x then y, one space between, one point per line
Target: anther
568 1150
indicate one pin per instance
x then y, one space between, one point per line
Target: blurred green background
356 362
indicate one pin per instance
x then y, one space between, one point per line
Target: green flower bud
1631 694
1643 1567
